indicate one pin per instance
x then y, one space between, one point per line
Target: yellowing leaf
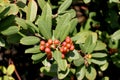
10 69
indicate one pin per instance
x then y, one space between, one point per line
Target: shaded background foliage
106 21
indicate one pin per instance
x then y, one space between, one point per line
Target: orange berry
63 56
68 45
68 40
61 49
56 41
72 47
47 50
47 45
64 49
64 44
50 41
42 47
42 42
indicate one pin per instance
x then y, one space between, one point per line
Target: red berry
68 45
63 56
68 40
47 50
49 56
47 45
42 47
50 41
61 49
56 41
42 42
64 44
64 49
72 47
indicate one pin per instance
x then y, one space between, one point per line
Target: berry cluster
47 46
64 47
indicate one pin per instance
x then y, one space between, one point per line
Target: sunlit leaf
63 74
64 6
32 10
81 73
10 30
91 73
3 69
98 61
2 42
100 46
116 35
33 50
104 67
10 69
41 3
38 56
98 55
29 40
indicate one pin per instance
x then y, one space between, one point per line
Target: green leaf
32 10
81 73
46 63
37 56
104 66
34 49
66 4
44 22
4 11
26 24
115 35
13 9
57 55
10 78
91 73
6 77
73 24
74 55
3 69
10 69
41 3
82 36
98 55
88 43
21 22
63 74
87 1
15 38
62 64
50 71
98 61
47 16
6 22
32 26
79 61
62 24
2 42
100 46
105 78
65 32
10 30
29 40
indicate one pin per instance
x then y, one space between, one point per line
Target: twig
16 72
